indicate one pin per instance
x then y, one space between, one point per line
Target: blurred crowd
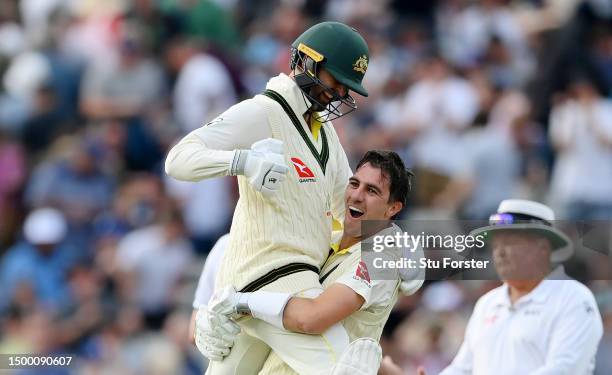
100 251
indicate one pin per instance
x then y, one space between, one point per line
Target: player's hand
264 165
214 334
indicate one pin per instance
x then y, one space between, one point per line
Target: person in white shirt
581 132
539 322
362 301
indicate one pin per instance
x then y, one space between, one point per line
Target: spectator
437 109
129 87
75 185
203 88
12 178
154 258
40 262
581 131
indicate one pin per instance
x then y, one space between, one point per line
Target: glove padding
361 357
264 165
214 334
224 302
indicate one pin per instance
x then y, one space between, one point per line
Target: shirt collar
541 292
337 237
290 91
335 244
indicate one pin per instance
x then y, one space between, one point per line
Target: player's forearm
192 160
317 315
303 315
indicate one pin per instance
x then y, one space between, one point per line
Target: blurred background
100 252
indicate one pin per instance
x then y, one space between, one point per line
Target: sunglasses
507 218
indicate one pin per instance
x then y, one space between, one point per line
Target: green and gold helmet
341 51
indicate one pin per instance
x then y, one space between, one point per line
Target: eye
372 191
354 184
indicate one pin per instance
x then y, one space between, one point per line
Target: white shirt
157 262
206 284
554 330
203 90
441 110
583 169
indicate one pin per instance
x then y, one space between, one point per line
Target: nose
356 195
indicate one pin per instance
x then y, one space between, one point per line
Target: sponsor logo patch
304 173
362 272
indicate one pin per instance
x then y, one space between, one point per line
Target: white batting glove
264 165
227 301
214 334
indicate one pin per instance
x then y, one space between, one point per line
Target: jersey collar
541 292
286 86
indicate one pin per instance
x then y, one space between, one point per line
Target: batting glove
228 302
214 334
264 165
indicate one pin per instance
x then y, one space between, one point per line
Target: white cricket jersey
206 283
553 330
294 226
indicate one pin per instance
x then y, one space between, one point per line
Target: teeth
355 209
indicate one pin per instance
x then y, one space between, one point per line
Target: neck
518 289
308 118
348 241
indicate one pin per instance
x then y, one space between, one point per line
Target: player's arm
315 316
209 150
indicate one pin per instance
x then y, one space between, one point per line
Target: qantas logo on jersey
304 173
362 273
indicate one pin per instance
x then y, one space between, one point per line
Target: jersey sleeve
209 150
374 292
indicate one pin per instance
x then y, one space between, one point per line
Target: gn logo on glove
304 173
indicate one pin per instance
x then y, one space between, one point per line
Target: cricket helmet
338 48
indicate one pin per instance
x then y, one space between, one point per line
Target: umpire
539 322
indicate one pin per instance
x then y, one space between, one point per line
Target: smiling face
367 198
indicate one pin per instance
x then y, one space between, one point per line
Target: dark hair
394 169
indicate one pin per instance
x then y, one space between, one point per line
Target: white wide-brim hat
525 215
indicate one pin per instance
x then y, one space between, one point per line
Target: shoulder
247 111
18 254
573 292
